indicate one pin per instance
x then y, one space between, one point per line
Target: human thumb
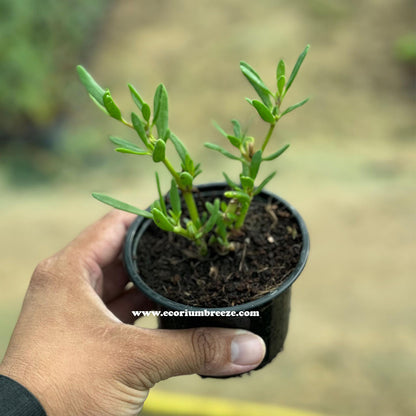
206 351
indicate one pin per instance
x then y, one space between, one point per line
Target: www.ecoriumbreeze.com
192 313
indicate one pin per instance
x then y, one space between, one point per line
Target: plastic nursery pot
274 308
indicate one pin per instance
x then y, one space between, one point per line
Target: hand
74 350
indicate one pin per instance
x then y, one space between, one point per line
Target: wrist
28 377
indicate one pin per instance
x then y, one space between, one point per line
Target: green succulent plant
221 217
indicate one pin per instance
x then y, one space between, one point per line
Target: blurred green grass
350 171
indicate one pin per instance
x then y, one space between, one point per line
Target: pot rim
140 225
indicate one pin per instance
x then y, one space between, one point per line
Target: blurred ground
350 172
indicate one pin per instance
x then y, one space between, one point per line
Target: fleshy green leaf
217 148
175 220
146 111
264 183
230 183
159 151
255 164
257 83
277 154
239 195
136 97
160 112
281 84
132 152
219 128
161 220
237 128
296 67
138 126
222 233
210 207
209 225
159 191
111 106
235 141
246 182
95 90
156 204
263 111
294 107
190 226
214 210
281 69
175 200
179 146
125 144
197 170
186 179
188 165
115 203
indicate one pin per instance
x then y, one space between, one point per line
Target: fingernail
247 349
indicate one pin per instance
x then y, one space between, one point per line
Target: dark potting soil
268 249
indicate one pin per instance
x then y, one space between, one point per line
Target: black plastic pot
274 308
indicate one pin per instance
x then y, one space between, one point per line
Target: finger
205 351
130 300
103 240
100 244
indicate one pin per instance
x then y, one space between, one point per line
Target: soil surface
267 251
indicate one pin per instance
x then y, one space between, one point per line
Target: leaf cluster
151 123
250 153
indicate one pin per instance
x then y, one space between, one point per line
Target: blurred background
350 170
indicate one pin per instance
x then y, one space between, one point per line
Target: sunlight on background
350 170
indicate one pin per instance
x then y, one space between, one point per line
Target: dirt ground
350 172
